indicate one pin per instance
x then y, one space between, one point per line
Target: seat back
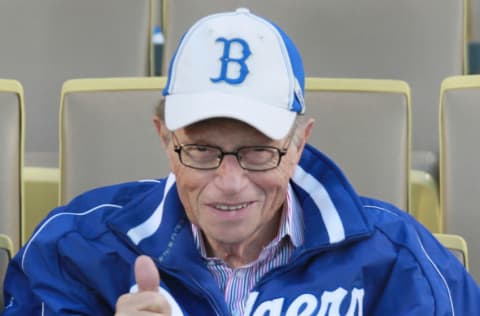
425 204
457 245
107 133
11 158
418 42
364 126
47 42
11 144
459 157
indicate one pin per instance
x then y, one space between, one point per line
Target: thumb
146 274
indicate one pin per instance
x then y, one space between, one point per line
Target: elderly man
251 221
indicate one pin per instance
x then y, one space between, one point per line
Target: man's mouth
229 208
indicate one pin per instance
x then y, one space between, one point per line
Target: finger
146 274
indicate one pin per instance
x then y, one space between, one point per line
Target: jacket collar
333 212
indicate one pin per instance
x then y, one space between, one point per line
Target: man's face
232 206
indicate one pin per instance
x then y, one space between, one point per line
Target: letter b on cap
226 60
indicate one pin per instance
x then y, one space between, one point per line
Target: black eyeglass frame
179 147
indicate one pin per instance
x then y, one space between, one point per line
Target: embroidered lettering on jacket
328 304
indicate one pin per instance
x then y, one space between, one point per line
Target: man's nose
230 176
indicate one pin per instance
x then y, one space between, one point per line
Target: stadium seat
457 245
107 133
364 126
45 43
6 253
11 159
459 161
40 187
6 245
420 42
425 200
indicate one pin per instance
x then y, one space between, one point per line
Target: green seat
459 161
364 126
45 43
120 143
457 245
11 193
11 159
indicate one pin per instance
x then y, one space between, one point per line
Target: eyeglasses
252 158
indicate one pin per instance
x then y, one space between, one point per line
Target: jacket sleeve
456 289
427 279
18 297
37 284
41 280
426 276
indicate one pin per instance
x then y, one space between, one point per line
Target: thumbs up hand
147 301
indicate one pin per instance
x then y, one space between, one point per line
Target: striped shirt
237 283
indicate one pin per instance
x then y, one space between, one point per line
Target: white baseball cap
236 65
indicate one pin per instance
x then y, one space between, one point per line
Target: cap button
242 10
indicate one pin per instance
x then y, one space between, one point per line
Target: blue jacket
360 256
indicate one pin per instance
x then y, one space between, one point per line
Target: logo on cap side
226 59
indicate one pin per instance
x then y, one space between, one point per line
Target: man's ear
165 138
162 132
304 135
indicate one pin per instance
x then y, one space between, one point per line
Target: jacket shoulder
120 194
89 211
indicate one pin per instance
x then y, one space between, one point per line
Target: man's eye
204 151
202 148
257 155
